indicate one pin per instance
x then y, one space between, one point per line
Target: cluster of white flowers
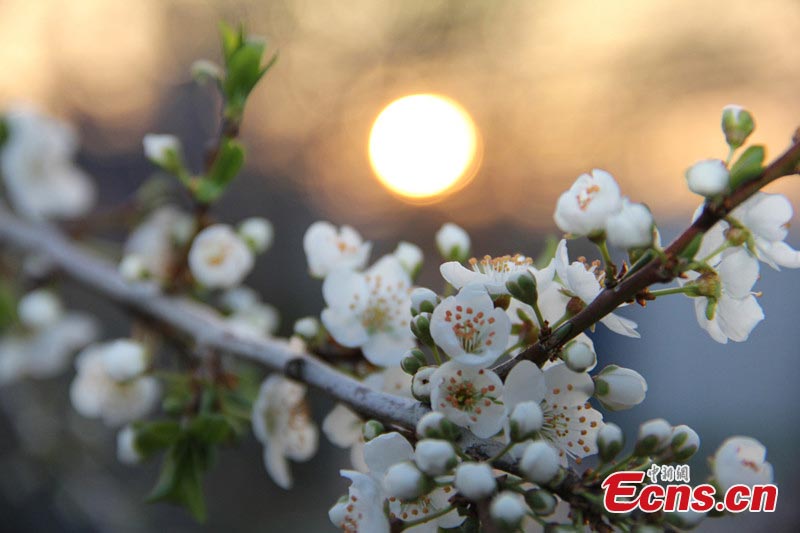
406 340
112 382
40 178
47 337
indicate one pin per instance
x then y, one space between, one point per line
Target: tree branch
659 269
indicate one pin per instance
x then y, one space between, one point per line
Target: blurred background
546 90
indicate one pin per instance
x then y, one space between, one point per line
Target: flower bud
163 150
124 359
541 502
708 285
684 444
435 457
257 232
39 309
631 227
127 451
435 425
421 328
708 177
410 257
453 243
405 481
522 286
133 268
540 463
578 356
423 300
654 437
525 420
413 361
474 481
372 429
204 70
741 460
508 509
421 383
307 327
610 441
619 388
737 236
737 124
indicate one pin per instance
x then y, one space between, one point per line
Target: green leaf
690 250
152 437
548 253
180 481
749 165
211 428
232 39
227 164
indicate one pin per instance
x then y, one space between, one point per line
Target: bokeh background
554 88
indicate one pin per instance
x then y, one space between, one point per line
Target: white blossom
421 384
619 388
587 205
631 227
410 257
404 481
767 217
508 508
283 425
160 148
654 436
124 359
40 178
469 397
219 258
307 327
39 309
328 248
741 460
154 243
453 242
257 232
490 272
526 418
581 280
51 335
133 268
570 422
475 481
434 456
370 310
708 177
737 311
469 328
95 393
540 462
363 508
684 442
579 355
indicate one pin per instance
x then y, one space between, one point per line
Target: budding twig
660 269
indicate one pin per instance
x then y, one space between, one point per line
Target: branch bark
659 269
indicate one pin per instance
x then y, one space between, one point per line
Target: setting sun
423 145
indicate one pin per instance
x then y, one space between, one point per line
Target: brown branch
658 270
